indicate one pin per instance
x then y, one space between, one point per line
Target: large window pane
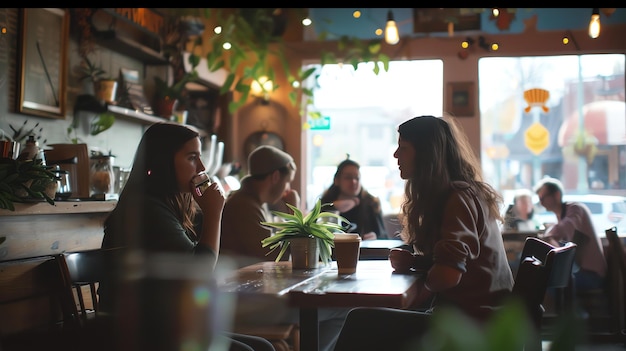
558 116
365 110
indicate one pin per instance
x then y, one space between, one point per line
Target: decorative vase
305 253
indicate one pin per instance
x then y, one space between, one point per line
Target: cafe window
364 110
558 116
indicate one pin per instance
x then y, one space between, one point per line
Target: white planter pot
305 253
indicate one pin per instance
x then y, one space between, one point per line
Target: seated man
574 224
268 183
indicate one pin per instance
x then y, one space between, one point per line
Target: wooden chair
542 267
84 270
36 313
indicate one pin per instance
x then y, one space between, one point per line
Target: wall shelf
134 116
117 33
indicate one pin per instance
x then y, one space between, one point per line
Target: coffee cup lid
347 236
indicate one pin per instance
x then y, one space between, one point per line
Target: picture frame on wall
42 61
460 99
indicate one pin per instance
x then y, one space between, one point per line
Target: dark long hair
153 173
443 156
332 193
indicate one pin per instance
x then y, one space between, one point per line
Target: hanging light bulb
391 30
594 23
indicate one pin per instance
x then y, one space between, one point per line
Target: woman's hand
211 201
401 260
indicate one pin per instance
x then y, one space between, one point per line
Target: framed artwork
460 99
42 61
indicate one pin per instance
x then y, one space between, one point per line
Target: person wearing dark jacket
347 196
156 213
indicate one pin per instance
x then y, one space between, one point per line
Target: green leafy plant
298 225
257 48
92 71
20 134
102 121
163 90
21 180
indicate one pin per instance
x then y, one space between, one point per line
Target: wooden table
378 249
374 284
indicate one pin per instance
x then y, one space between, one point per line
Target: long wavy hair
443 155
153 173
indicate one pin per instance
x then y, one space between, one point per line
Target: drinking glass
201 182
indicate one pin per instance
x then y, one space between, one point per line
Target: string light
392 37
594 23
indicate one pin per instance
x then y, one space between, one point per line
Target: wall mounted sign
321 123
43 43
460 99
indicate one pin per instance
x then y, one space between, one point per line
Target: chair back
86 269
544 266
617 259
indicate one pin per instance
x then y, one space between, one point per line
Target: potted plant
24 180
104 86
166 95
312 228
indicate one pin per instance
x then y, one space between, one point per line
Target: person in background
156 209
353 202
451 218
519 215
574 224
270 171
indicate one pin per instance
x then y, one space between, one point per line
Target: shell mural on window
536 97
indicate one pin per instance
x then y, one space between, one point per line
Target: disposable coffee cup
201 182
347 249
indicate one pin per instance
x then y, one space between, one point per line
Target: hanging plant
256 44
102 121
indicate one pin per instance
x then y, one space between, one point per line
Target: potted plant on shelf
308 235
104 86
166 96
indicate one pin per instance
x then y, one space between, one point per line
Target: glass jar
101 174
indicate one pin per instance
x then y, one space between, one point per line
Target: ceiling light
594 23
392 37
262 87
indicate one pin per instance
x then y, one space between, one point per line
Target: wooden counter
40 228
